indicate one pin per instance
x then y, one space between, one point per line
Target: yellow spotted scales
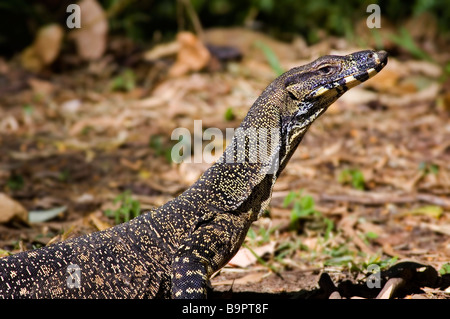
171 252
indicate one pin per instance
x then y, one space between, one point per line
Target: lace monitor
171 251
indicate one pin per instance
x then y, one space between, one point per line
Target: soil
70 139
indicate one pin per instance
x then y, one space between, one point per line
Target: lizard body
171 251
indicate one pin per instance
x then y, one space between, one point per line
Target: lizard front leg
208 248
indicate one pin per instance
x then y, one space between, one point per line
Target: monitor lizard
171 251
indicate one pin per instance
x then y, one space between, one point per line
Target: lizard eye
326 70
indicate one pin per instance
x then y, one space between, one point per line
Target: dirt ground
375 168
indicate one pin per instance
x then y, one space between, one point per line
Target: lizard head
310 89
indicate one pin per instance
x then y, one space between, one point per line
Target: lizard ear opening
292 96
293 92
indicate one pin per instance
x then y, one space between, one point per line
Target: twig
383 198
262 262
194 18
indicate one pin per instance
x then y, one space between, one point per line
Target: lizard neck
243 178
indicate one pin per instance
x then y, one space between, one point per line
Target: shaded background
86 119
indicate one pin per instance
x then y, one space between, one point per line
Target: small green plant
129 208
288 248
28 109
382 263
304 209
86 130
229 115
446 73
271 57
340 255
353 177
260 260
445 269
5 253
368 237
15 182
126 81
156 143
429 168
406 41
64 175
261 235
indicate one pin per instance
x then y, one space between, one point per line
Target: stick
383 198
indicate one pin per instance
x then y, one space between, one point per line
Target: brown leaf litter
70 137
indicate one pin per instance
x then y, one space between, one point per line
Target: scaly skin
171 252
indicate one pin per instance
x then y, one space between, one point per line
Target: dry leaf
99 224
192 55
48 43
71 106
91 37
245 257
347 225
162 50
41 87
11 209
443 229
386 81
44 49
39 216
100 123
428 210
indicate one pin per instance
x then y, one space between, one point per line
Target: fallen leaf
368 227
135 166
388 81
71 106
38 216
192 55
41 87
11 209
44 49
347 225
443 229
250 278
4 253
100 123
48 43
91 38
429 93
428 210
245 257
99 224
162 50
